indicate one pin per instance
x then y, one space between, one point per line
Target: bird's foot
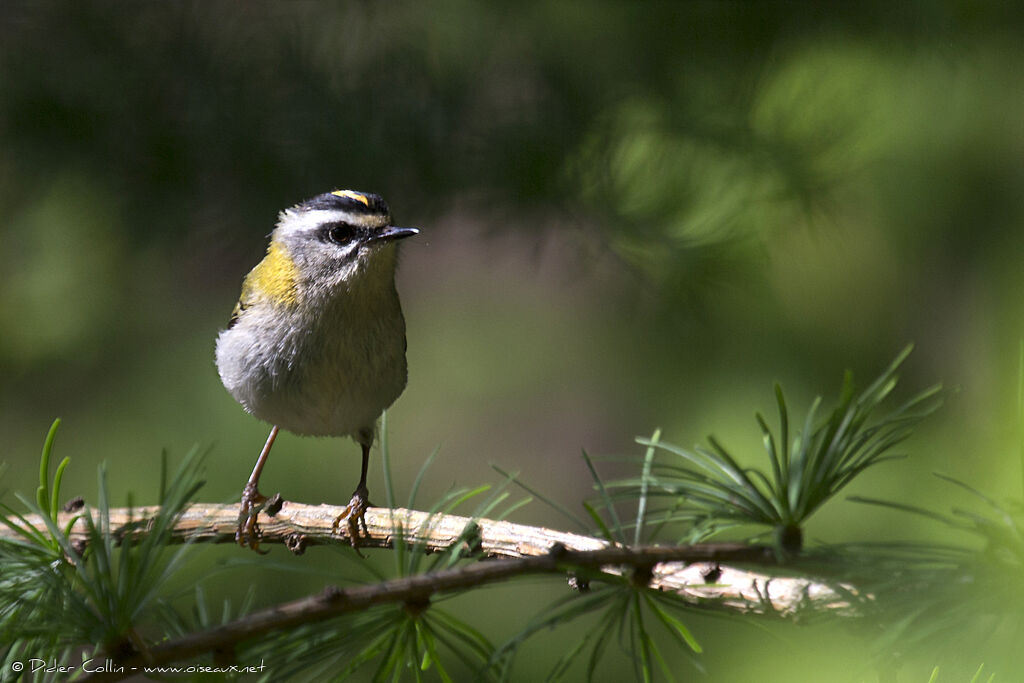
253 502
354 515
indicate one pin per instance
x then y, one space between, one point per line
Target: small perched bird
316 343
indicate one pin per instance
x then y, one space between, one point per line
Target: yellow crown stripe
352 195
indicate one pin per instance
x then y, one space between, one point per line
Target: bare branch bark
705 574
414 590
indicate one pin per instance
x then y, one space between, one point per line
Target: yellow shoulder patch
274 279
352 195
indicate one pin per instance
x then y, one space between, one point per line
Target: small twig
418 589
299 526
526 549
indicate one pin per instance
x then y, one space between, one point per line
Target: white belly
332 376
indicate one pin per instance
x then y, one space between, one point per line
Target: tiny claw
248 532
353 516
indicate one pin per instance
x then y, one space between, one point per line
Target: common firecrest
316 343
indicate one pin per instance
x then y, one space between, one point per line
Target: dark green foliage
709 488
964 594
57 596
622 612
394 642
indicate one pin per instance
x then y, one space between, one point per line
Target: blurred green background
634 216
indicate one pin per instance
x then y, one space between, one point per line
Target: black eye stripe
341 233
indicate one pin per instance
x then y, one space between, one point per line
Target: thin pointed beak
392 233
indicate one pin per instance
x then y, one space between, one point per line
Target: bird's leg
248 531
355 512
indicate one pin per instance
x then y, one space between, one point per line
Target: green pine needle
803 472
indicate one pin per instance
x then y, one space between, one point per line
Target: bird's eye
341 233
